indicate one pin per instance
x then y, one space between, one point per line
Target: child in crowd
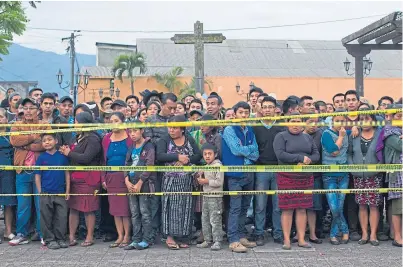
53 209
212 204
141 154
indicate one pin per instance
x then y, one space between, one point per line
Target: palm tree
128 63
170 79
190 88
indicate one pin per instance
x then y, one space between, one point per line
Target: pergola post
359 52
388 28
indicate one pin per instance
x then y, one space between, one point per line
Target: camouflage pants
212 219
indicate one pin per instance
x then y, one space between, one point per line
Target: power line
15 75
210 30
254 47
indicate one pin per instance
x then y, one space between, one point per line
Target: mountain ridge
28 64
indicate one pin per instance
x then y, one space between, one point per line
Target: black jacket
163 156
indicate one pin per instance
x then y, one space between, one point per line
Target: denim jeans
25 184
239 205
266 181
336 202
141 218
250 213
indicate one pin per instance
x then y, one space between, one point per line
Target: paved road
269 255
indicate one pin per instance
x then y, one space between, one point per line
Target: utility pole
71 48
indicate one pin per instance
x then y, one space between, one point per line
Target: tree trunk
132 86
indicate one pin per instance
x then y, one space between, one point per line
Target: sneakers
19 239
237 247
246 243
260 240
205 244
355 236
62 244
131 246
142 245
216 246
53 245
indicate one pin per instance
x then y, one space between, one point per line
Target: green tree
13 21
170 79
190 88
128 64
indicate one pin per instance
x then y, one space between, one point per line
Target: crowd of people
180 220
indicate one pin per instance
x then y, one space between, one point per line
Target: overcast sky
180 16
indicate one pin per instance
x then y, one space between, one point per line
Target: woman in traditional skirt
293 147
87 151
334 152
362 150
177 149
115 146
7 179
390 144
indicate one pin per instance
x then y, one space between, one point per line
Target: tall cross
198 39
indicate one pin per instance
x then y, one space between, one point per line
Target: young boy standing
141 154
53 209
212 204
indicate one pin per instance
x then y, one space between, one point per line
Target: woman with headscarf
389 148
362 150
296 148
86 151
177 149
115 146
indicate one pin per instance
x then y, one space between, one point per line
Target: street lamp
59 76
101 93
241 92
367 63
117 92
251 85
237 87
79 79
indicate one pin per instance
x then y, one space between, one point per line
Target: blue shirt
135 158
328 143
116 155
249 152
52 181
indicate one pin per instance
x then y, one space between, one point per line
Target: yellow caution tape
247 168
230 193
198 123
223 122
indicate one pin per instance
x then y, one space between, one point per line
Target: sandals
362 241
394 243
124 244
335 242
172 246
114 245
9 237
306 245
375 242
183 245
286 247
73 243
87 244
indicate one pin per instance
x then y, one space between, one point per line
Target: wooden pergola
384 34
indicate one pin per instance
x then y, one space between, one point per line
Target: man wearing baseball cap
27 149
66 108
